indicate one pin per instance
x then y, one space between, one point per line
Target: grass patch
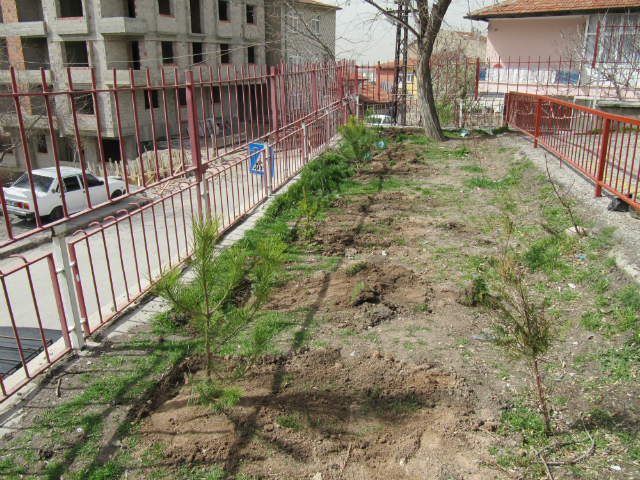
472 168
355 268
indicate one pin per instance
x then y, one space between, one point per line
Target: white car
379 120
45 181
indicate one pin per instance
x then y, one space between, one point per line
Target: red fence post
536 131
314 91
194 139
602 161
274 104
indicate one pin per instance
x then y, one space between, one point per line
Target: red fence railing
219 141
602 146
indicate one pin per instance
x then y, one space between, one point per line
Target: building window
617 42
410 77
167 53
76 53
164 7
41 143
196 23
84 104
70 9
216 94
315 25
225 53
134 47
293 21
196 48
223 11
111 149
295 59
250 18
251 55
130 9
154 99
182 97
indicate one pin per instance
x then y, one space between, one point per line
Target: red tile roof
411 62
531 8
369 93
318 4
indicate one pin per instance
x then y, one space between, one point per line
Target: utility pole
400 65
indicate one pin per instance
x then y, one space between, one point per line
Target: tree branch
387 14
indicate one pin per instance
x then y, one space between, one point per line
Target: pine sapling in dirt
520 327
208 300
358 140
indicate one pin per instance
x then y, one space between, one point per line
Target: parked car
45 181
379 120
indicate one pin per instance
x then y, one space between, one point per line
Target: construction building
300 31
158 35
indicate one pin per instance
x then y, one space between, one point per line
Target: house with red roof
563 47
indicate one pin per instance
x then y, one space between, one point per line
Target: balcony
23 29
122 26
26 76
70 26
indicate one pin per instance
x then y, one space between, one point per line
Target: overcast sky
362 37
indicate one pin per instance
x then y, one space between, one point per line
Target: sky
365 38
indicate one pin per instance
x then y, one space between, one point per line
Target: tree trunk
426 101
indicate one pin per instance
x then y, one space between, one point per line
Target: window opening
223 11
196 48
77 54
225 53
167 53
250 17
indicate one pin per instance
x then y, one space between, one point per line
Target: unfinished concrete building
121 35
300 31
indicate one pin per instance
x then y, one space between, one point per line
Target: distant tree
424 23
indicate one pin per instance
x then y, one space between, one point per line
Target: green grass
472 168
356 290
487 184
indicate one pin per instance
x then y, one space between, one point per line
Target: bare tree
424 23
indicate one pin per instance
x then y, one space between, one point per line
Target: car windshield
40 183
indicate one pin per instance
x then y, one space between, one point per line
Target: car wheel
56 214
116 194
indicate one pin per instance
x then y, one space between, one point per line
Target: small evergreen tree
208 298
521 326
359 139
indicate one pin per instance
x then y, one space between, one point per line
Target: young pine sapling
521 326
207 298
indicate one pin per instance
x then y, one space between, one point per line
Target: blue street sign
257 158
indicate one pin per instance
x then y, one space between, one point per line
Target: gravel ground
581 188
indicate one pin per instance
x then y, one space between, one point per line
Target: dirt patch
343 417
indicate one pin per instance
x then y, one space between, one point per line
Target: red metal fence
235 135
602 146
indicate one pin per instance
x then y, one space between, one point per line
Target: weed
355 268
356 290
215 394
307 211
421 308
292 421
